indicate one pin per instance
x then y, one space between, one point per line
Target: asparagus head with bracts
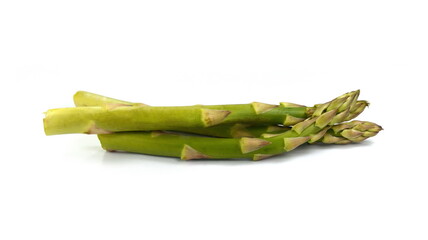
350 132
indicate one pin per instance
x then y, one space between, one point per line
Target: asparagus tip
351 133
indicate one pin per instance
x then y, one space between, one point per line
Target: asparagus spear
84 99
121 117
238 128
253 113
195 147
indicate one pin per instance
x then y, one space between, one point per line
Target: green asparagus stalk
198 147
253 113
84 99
118 117
108 119
236 130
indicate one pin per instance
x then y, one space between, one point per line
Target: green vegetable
197 147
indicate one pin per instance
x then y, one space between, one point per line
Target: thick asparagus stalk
103 120
240 114
195 147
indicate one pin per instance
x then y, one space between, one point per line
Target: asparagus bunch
255 131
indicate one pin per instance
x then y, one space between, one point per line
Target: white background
213 52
